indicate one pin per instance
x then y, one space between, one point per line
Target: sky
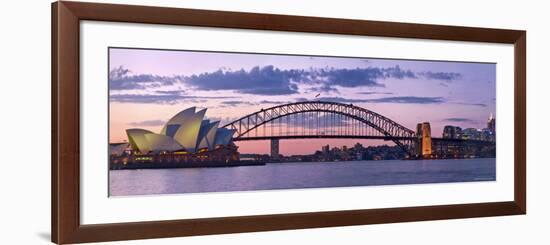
147 87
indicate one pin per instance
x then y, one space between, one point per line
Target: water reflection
299 175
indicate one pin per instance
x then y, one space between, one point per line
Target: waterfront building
472 134
358 146
359 156
118 149
186 140
452 132
491 123
487 134
325 149
186 132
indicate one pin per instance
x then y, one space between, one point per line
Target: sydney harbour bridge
332 120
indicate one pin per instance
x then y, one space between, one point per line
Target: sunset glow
147 87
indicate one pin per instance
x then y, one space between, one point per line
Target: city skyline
147 86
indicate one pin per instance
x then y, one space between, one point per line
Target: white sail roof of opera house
187 131
159 142
136 137
207 134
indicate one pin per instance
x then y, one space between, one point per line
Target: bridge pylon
424 140
275 149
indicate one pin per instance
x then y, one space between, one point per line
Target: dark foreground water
299 175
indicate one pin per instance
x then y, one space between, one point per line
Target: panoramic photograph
184 121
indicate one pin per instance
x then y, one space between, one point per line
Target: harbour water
299 175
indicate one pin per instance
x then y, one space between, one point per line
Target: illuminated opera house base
187 140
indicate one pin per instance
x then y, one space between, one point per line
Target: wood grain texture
54 139
209 18
520 124
66 17
67 125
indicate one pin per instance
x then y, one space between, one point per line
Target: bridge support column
424 142
275 149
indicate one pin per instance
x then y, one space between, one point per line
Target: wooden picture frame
65 175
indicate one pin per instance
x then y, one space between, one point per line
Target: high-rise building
326 150
491 123
452 132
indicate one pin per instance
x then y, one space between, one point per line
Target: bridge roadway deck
352 137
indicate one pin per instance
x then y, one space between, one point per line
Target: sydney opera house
187 138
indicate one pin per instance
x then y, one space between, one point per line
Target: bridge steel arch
389 129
